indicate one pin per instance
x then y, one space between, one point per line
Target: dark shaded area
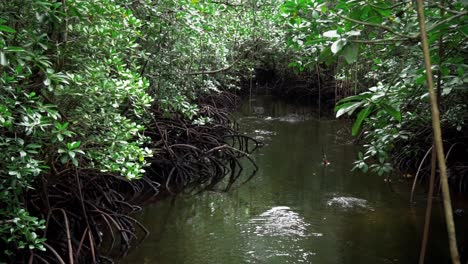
314 86
456 151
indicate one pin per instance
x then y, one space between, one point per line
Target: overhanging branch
389 29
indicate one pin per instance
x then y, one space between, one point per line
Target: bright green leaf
347 108
363 114
392 111
7 29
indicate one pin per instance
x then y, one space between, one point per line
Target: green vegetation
71 95
83 80
117 88
380 44
377 47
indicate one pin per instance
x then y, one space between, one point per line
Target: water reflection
275 235
349 203
279 221
295 210
263 135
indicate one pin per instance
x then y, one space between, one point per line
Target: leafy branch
389 29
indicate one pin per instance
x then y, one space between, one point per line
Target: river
295 210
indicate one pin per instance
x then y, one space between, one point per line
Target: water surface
295 210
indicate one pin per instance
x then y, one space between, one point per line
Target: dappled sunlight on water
279 221
285 228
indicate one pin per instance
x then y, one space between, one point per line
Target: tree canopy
79 79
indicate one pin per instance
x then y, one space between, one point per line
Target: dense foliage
376 46
71 94
85 83
82 80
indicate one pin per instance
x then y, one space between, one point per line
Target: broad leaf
350 52
338 45
331 34
3 59
14 49
347 108
392 111
361 96
7 29
361 116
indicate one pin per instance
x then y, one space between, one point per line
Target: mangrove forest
233 131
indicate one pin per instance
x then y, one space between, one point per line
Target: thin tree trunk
438 138
430 193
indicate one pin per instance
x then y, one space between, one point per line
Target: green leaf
7 29
33 146
331 34
350 52
326 56
64 159
74 145
361 96
392 111
3 59
338 45
347 108
14 49
361 116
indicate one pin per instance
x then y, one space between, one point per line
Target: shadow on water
296 210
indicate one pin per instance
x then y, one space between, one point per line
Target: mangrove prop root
413 188
80 214
87 211
199 157
427 219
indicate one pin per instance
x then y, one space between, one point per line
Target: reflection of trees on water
282 215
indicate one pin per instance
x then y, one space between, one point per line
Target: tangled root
87 211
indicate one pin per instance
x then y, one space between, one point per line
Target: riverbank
88 212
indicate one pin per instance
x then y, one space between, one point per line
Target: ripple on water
348 202
264 132
293 118
286 226
279 221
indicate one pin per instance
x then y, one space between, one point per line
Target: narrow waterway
295 210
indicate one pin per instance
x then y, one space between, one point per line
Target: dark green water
295 210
